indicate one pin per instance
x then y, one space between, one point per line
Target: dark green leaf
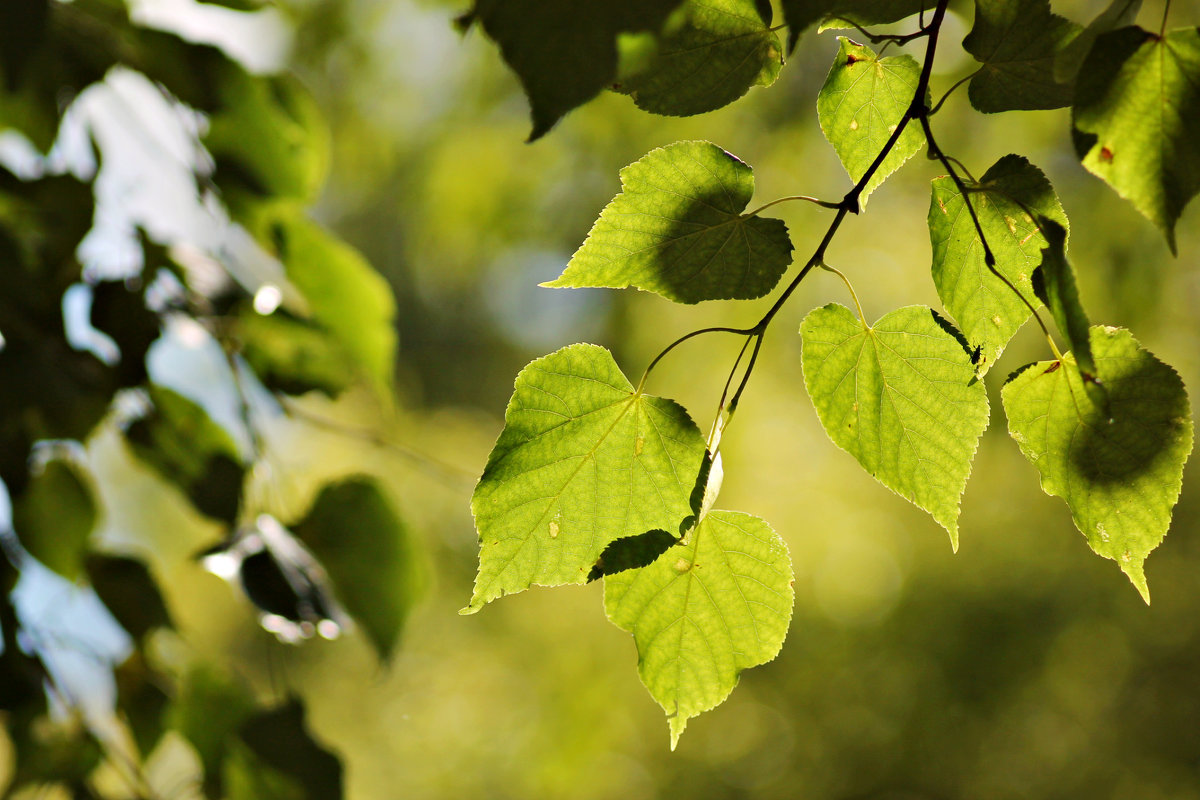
801 14
55 515
1017 42
291 355
129 592
1069 59
631 552
1054 285
143 702
1118 468
280 739
677 229
1137 110
208 711
564 51
710 54
368 552
179 440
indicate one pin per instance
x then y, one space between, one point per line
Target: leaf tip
678 723
1133 570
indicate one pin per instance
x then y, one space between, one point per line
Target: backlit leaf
986 308
1017 43
1069 59
710 54
1054 285
1137 110
55 515
712 605
1120 472
583 460
902 398
800 14
863 100
677 229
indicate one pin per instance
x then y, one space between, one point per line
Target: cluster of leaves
592 478
349 554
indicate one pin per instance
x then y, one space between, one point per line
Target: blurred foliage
1019 668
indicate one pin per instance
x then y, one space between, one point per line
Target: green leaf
279 738
902 398
985 307
1069 59
129 592
801 14
291 355
1054 285
863 100
710 54
583 460
55 515
1017 44
712 605
564 51
209 709
1120 472
345 296
368 552
1137 110
677 229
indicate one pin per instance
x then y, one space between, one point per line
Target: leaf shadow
631 552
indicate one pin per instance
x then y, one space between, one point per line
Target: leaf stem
937 106
1162 29
681 340
861 316
814 200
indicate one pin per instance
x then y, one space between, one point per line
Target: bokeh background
1023 666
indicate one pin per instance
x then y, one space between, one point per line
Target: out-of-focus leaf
268 137
1054 284
716 603
901 397
280 739
678 229
119 310
208 711
142 701
22 28
1017 43
55 515
368 552
345 296
129 592
1120 467
710 54
583 460
1136 113
564 51
291 355
185 446
49 750
863 100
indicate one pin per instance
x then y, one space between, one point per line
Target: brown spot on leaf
851 58
1106 154
1052 367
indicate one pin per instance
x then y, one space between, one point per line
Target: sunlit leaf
712 605
564 51
55 515
902 398
368 552
1119 469
711 53
1069 59
1017 43
677 229
583 460
863 100
1054 284
1137 110
985 307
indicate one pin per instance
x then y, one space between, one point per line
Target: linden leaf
709 56
1137 110
901 397
1119 469
712 605
1017 44
583 460
863 100
677 229
800 14
985 307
